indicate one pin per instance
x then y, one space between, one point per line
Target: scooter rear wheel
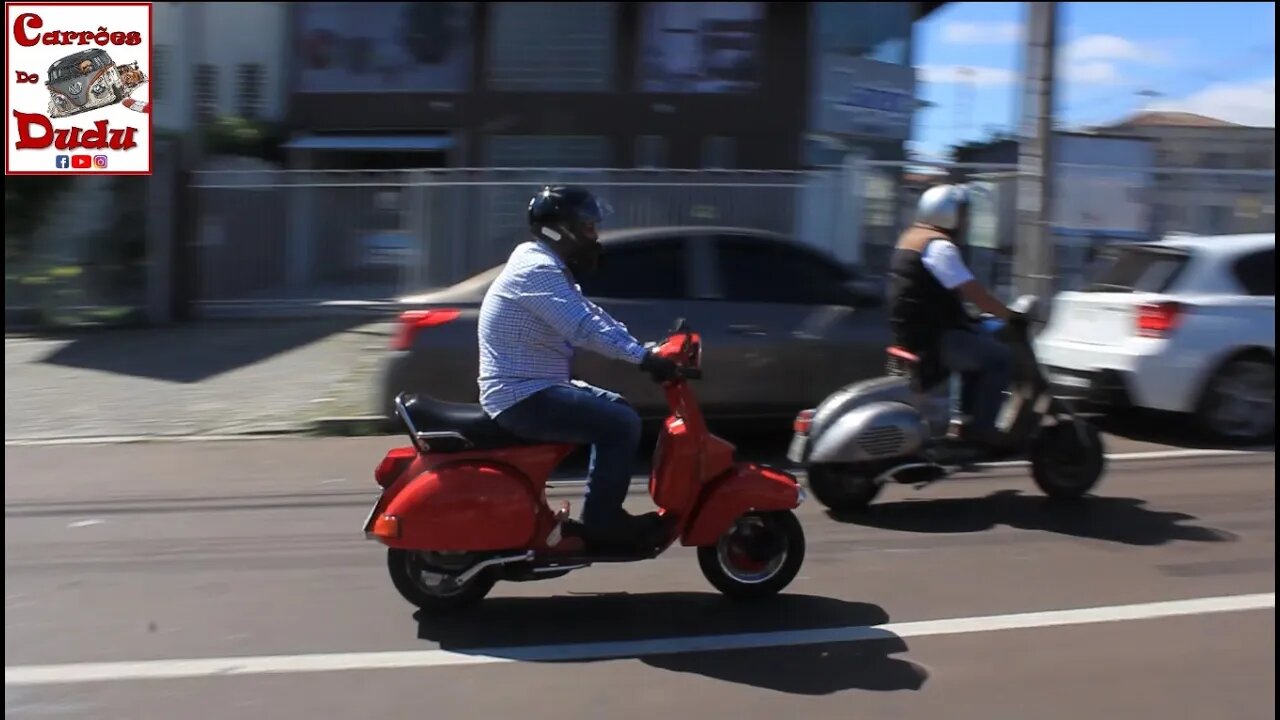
841 488
406 567
757 557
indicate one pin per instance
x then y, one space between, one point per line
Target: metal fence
285 236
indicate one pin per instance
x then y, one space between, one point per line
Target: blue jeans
585 415
985 366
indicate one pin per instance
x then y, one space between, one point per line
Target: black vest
921 309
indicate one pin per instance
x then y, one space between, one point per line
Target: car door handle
752 330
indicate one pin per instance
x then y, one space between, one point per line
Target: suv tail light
414 320
1157 320
803 422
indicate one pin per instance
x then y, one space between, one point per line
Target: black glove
660 368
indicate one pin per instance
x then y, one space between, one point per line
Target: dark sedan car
782 324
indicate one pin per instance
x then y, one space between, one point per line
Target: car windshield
1137 269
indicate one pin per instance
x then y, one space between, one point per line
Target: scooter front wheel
1068 460
757 557
416 577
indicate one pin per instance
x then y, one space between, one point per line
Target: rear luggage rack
447 441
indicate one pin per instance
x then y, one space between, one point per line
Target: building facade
1213 177
1100 194
218 60
610 84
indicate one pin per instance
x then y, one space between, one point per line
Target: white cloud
1113 48
1097 59
1247 103
1089 73
955 74
981 33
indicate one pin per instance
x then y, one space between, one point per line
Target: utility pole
964 100
1034 252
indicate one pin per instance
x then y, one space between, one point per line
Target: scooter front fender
876 431
747 488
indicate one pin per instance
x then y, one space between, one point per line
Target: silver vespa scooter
892 429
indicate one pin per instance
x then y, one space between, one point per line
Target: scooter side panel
876 431
880 389
746 489
466 506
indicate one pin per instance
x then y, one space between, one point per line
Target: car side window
770 271
1256 273
650 270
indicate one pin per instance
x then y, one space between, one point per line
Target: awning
389 143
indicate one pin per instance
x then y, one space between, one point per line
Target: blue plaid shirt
531 320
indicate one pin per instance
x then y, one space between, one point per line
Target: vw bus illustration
89 80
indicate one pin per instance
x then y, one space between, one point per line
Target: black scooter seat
476 429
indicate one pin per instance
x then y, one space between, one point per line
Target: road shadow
1169 429
192 353
1120 520
520 628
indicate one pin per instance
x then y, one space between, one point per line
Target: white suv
1186 324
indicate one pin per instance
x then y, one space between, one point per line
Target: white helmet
943 206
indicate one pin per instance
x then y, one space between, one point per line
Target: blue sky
1215 59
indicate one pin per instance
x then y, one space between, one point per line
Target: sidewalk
212 378
279 376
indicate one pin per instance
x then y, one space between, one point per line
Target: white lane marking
85 523
336 662
1111 457
1155 455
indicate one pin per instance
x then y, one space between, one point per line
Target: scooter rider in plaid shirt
532 320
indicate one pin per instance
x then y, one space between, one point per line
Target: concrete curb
350 426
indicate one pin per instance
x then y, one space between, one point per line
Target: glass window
552 46
1136 269
1256 273
877 31
651 270
700 47
717 153
769 271
651 151
159 81
549 151
384 47
250 79
206 92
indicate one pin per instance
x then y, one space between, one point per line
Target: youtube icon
81 162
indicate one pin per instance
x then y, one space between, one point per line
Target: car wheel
1239 403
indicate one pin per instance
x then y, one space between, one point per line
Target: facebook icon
63 162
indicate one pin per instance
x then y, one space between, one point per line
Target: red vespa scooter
466 505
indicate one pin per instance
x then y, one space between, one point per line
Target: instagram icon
100 161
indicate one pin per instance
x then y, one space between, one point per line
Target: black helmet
565 217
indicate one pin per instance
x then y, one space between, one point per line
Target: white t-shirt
942 259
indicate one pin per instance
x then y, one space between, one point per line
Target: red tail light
393 465
414 320
1157 320
803 422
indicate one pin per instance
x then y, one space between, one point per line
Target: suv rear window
1137 269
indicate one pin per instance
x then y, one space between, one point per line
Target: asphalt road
193 554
